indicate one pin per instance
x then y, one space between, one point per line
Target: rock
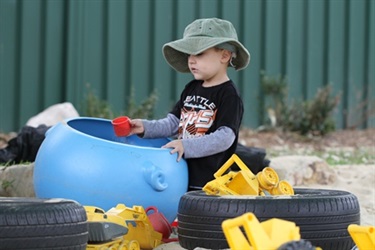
53 115
303 170
17 180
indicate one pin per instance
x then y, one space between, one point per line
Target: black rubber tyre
28 223
322 215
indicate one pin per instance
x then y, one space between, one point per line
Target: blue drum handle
154 176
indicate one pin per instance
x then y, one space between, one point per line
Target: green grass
7 184
355 157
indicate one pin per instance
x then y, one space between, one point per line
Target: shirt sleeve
210 144
165 127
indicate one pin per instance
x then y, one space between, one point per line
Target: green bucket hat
201 35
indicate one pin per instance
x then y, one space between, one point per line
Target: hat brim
176 53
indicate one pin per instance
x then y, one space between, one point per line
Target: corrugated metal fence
50 50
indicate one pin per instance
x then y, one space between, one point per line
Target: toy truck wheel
297 245
322 215
133 245
28 223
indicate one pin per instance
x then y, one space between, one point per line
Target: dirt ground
339 139
275 139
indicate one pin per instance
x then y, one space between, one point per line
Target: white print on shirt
197 116
199 101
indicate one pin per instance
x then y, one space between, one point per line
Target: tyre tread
42 223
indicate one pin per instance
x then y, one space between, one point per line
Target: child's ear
225 56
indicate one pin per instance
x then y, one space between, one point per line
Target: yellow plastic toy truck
272 234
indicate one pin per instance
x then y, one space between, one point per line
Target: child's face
209 64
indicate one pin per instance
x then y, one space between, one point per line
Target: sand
360 181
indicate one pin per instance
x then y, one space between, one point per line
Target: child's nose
191 58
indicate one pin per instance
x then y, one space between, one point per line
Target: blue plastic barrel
82 159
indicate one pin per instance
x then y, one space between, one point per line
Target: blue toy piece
82 159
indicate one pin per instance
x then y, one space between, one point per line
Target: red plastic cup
121 126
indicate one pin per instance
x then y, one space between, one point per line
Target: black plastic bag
254 158
25 146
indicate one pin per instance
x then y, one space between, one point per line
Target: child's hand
136 126
177 146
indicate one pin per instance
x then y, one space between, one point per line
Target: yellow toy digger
121 228
278 234
363 236
273 234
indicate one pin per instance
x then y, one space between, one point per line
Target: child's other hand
136 126
177 147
